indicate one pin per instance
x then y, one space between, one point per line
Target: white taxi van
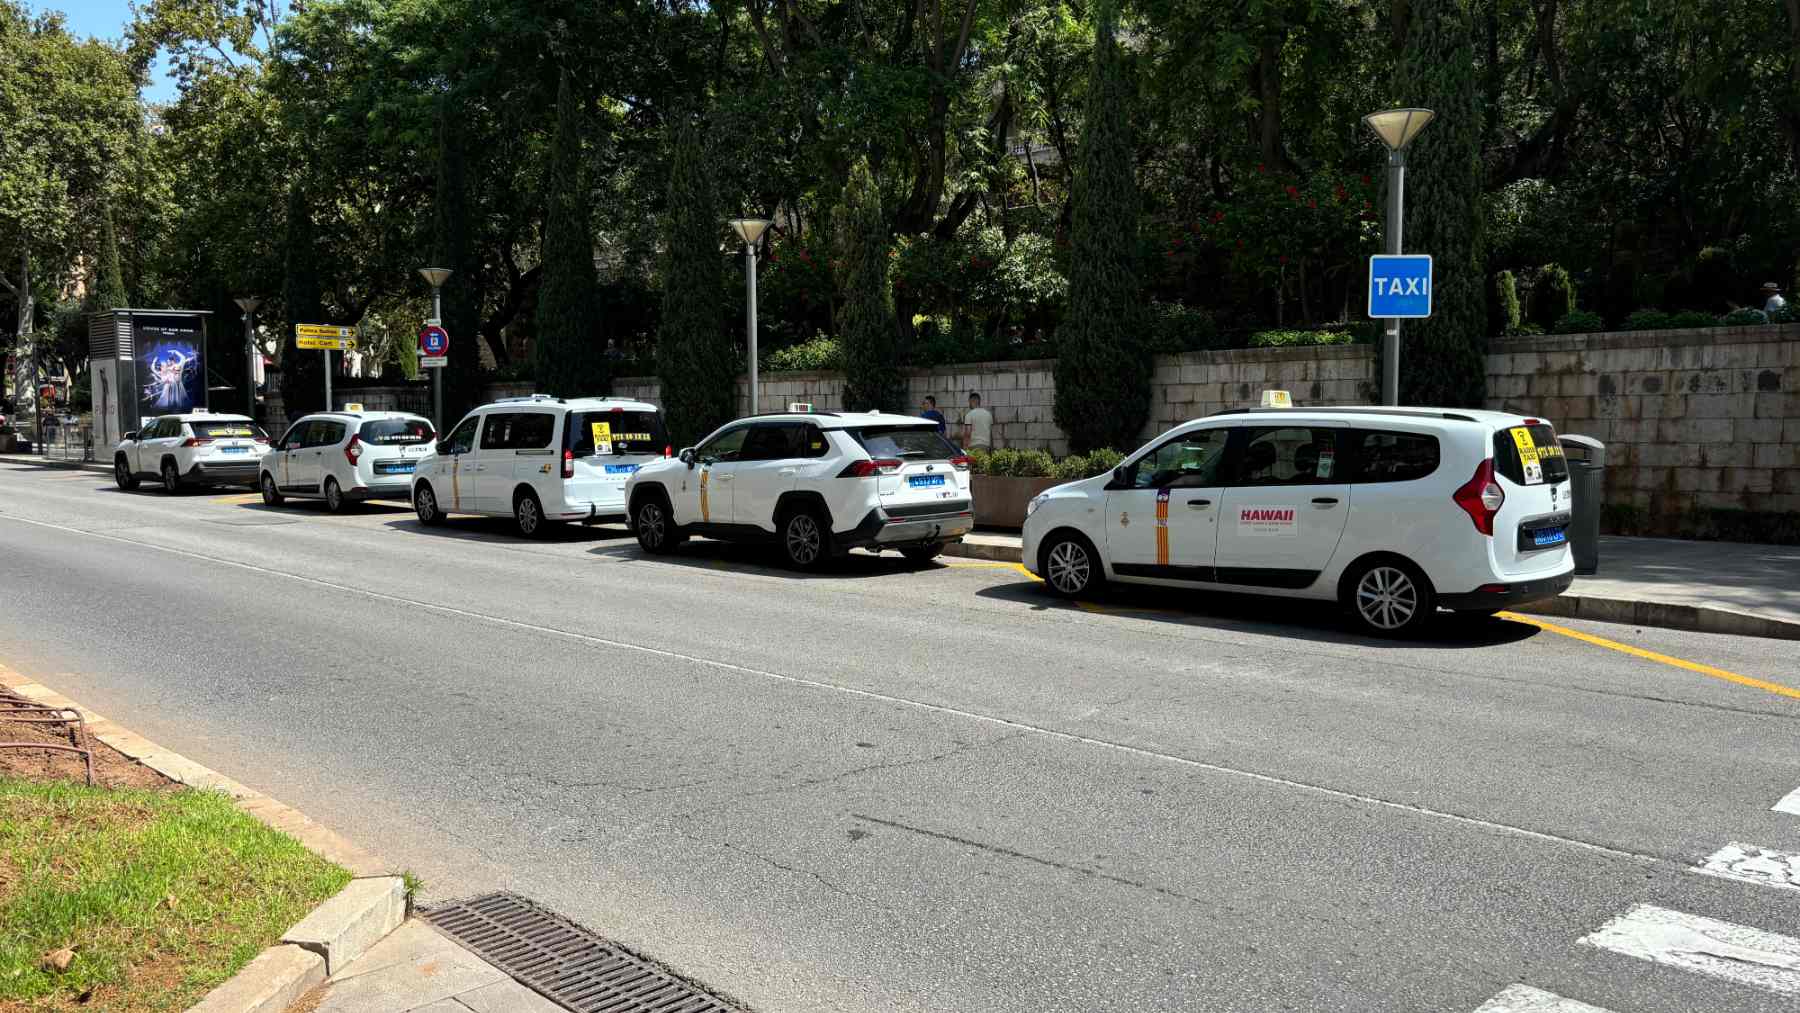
1394 512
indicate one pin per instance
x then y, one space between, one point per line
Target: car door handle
789 472
1324 501
1199 504
724 478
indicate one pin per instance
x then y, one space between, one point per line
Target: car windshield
396 432
629 431
228 430
906 442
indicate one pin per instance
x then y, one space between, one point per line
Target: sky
106 19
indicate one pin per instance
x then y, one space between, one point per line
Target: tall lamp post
437 276
248 304
1396 128
750 230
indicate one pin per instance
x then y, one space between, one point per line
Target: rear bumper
878 529
233 472
385 487
593 513
1508 595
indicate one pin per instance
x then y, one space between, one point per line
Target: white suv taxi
540 459
195 448
815 483
343 456
1394 512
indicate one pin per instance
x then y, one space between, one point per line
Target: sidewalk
417 968
1709 587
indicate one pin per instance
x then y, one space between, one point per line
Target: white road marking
1752 864
1790 804
1734 953
1525 999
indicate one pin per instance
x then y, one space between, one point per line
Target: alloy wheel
1069 568
1387 598
334 496
651 529
803 540
270 495
121 474
171 481
425 505
525 512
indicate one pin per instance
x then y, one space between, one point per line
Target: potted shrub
1004 481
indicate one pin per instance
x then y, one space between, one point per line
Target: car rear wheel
528 515
122 474
171 479
1069 567
922 554
271 495
805 541
425 504
655 529
1391 598
334 496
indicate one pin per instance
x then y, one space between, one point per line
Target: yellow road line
1020 567
1638 652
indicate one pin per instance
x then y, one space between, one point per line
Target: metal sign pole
437 375
327 353
1390 345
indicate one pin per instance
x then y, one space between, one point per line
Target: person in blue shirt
929 410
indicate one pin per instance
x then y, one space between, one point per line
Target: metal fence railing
67 439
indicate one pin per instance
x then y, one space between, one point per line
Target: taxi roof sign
800 406
1277 399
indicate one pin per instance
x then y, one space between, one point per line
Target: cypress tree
1442 360
109 288
453 248
569 358
302 372
695 358
1103 365
866 325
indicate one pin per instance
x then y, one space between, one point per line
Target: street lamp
750 230
436 276
248 304
1396 128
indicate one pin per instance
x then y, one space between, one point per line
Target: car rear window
396 432
631 431
1509 461
228 430
913 443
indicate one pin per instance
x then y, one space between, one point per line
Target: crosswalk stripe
1525 999
1790 804
1734 953
1752 864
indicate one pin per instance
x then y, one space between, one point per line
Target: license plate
621 469
924 481
1549 536
396 469
234 450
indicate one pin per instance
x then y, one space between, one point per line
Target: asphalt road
891 790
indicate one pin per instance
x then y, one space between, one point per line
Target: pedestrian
1775 301
928 409
977 425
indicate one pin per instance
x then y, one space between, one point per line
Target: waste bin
1587 469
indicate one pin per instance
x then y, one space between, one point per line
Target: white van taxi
1394 512
540 459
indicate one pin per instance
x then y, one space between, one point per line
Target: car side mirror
131 435
1121 477
687 456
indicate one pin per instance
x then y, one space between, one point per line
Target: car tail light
568 463
262 439
1481 497
871 468
961 463
668 450
196 441
353 450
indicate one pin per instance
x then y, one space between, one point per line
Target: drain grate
564 962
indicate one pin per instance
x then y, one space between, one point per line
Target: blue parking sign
1399 287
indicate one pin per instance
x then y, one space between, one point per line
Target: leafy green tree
453 247
1443 359
866 314
1552 296
569 358
302 372
694 354
1103 364
109 286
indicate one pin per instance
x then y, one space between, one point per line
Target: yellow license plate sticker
1528 455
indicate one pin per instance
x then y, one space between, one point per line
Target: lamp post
750 230
1396 128
436 276
248 304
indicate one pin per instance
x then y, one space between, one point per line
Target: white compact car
815 483
195 448
539 459
344 456
1395 512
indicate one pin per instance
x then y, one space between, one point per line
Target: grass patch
162 895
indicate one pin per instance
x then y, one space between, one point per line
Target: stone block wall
1692 419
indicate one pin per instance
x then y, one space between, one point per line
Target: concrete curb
334 934
1655 615
41 462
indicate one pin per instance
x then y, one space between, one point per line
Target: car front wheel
425 504
271 495
122 475
1069 567
655 529
1391 598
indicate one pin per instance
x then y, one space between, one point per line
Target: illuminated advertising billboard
171 364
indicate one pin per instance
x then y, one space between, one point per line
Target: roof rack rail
766 415
1453 416
522 398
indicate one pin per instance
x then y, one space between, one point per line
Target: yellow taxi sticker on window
1528 455
603 438
631 437
230 431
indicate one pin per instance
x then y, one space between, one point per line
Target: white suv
343 456
816 483
196 448
539 459
1394 512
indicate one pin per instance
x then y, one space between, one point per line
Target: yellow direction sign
327 336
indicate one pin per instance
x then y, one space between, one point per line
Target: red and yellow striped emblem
1162 527
705 512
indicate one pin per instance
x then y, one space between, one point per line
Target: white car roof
580 404
364 416
846 420
1374 413
207 417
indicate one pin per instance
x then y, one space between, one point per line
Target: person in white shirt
1775 301
977 425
